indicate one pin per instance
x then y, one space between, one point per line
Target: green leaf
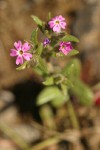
49 94
73 52
73 69
34 37
42 65
48 81
61 100
58 78
39 49
58 102
69 38
82 92
23 66
68 70
37 20
69 83
38 71
49 15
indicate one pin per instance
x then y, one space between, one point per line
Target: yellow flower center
63 47
57 22
20 52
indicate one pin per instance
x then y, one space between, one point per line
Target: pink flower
57 23
65 47
21 52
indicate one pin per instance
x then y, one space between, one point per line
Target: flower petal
65 47
63 24
51 24
46 42
65 51
61 43
13 52
18 45
19 60
56 28
61 18
27 56
26 47
69 46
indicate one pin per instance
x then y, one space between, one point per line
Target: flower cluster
56 24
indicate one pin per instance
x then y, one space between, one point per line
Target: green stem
47 116
46 143
72 115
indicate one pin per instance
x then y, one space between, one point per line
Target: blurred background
16 87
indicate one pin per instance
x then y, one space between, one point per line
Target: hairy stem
72 115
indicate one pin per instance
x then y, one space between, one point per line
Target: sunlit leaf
61 100
58 102
23 66
37 20
73 52
49 94
69 38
